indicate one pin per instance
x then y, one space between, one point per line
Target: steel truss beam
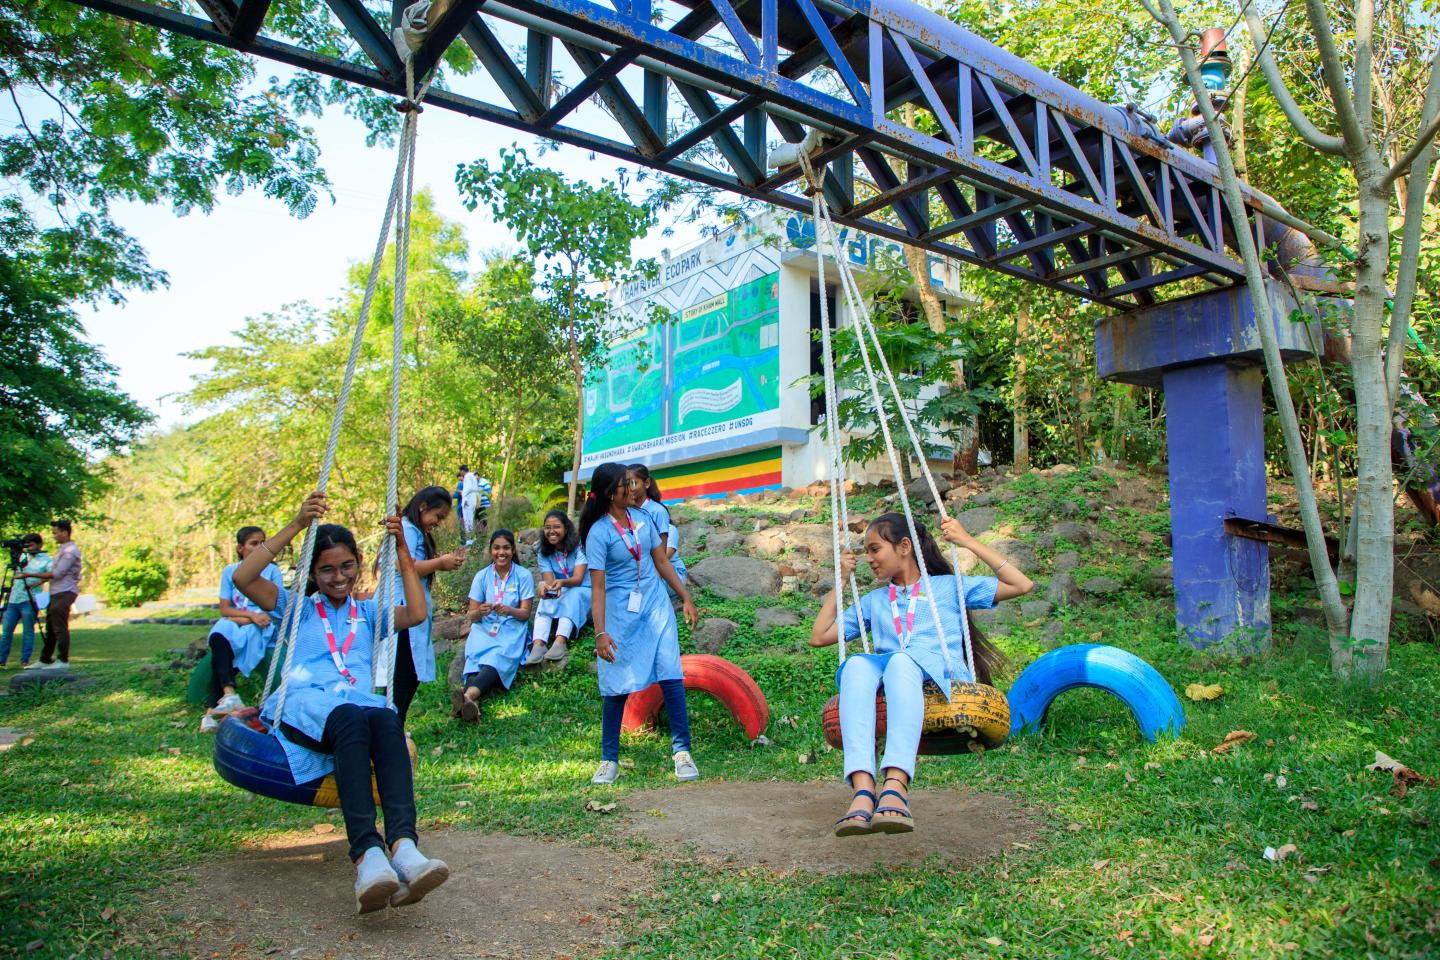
998 164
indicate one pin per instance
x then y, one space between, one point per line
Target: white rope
866 334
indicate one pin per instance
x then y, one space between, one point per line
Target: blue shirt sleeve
282 601
415 540
227 584
275 576
979 592
596 547
477 587
851 621
525 586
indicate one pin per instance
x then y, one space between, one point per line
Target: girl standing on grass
501 598
565 591
906 654
333 720
415 653
636 639
241 636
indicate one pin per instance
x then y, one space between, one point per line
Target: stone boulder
721 540
712 634
768 618
978 519
734 577
765 543
1069 530
1031 609
70 681
1161 578
1017 552
1101 586
1062 590
1068 560
451 628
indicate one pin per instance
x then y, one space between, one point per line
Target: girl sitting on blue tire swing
333 719
907 652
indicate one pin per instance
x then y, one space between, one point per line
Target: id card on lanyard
904 631
337 653
636 599
499 599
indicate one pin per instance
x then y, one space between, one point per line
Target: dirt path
507 897
787 826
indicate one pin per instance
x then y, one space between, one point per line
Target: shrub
138 577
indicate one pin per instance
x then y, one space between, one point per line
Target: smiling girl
565 590
241 636
333 719
907 653
501 598
415 653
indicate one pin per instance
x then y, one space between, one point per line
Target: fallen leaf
1124 936
1129 777
1097 634
1075 827
1309 805
1152 765
174 751
1290 945
1205 939
1402 777
462 803
995 941
1278 854
1081 761
25 743
595 806
807 757
1232 739
107 913
1280 783
1099 865
323 828
714 898
762 741
1202 691
436 751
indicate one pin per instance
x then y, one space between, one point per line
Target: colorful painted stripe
748 472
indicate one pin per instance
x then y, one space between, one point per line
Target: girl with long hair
501 598
240 638
415 652
907 653
565 590
645 495
333 719
636 638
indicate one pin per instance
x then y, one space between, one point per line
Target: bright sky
250 255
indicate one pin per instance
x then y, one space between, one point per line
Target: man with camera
27 555
64 577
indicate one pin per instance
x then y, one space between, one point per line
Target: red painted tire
716 676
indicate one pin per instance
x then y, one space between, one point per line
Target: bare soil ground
507 897
787 826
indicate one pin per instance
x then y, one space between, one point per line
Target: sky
250 255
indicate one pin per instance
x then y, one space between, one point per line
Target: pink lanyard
625 539
499 597
909 628
564 563
337 654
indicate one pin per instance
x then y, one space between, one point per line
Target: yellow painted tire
975 716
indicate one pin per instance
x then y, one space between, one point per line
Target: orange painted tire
976 714
710 674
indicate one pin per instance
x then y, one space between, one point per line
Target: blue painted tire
1150 698
255 761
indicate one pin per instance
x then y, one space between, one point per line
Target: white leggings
904 712
563 627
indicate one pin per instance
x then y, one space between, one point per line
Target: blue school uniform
497 641
647 641
924 644
673 541
574 602
247 641
315 685
422 650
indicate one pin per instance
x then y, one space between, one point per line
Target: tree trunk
1022 423
509 453
579 371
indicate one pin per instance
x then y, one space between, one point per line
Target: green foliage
139 577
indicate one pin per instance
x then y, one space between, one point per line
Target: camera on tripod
16 546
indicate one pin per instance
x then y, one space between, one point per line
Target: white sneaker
607 773
230 703
209 724
685 768
42 665
418 873
375 881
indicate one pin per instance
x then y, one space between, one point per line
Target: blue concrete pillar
1216 437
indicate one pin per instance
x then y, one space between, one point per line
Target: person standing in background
64 577
456 496
469 496
25 599
482 510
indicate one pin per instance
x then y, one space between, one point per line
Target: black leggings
222 667
486 679
405 680
359 738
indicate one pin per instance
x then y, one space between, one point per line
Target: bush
139 577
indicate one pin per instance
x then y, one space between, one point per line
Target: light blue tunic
422 650
648 644
573 602
248 641
497 641
673 541
924 645
315 687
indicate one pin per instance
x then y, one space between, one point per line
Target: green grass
1168 848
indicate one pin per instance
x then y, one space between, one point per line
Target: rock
766 543
761 523
71 681
733 577
798 514
978 519
1101 586
919 488
1045 541
1017 552
983 499
1076 533
813 538
788 571
768 618
1068 560
713 633
530 535
152 668
1062 590
1054 630
990 621
720 541
1161 578
525 555
451 628
1031 609
1068 508
456 676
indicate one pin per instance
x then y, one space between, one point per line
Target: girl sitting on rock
565 592
907 652
501 598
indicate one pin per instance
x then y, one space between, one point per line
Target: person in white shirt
469 498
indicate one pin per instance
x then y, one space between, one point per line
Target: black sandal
895 819
856 823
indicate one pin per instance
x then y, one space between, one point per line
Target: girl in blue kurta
501 598
241 636
636 638
333 719
564 589
415 653
906 654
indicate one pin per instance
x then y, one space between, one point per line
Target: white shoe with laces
209 724
418 873
375 881
230 703
607 773
685 768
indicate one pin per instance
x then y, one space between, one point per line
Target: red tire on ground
710 674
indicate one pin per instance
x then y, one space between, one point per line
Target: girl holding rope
333 720
907 653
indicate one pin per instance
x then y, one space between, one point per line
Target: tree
580 236
59 406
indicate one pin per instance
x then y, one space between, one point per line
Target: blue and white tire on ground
1150 698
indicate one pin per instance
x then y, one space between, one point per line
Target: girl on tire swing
906 653
333 719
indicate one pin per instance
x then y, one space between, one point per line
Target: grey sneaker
537 654
607 773
559 650
685 768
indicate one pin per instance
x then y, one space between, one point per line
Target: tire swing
707 673
247 754
976 717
